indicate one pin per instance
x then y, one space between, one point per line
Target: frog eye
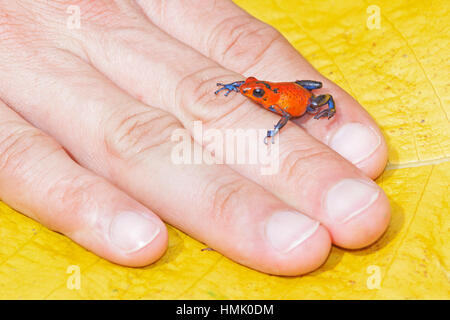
258 93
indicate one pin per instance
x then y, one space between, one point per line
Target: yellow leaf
399 72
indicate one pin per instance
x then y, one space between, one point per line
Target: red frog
288 99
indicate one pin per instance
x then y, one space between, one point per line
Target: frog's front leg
234 86
280 124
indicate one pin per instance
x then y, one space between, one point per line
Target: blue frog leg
234 86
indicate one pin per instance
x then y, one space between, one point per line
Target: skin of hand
87 114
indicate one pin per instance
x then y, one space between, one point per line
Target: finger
238 41
129 143
38 178
182 81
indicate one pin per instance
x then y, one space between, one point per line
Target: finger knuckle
302 163
12 29
22 147
242 38
196 100
130 135
227 196
73 200
22 24
105 13
6 26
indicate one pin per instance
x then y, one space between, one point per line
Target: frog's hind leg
318 101
309 84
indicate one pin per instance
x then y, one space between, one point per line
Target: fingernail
355 142
350 197
285 230
131 231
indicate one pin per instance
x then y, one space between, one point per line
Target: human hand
87 120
